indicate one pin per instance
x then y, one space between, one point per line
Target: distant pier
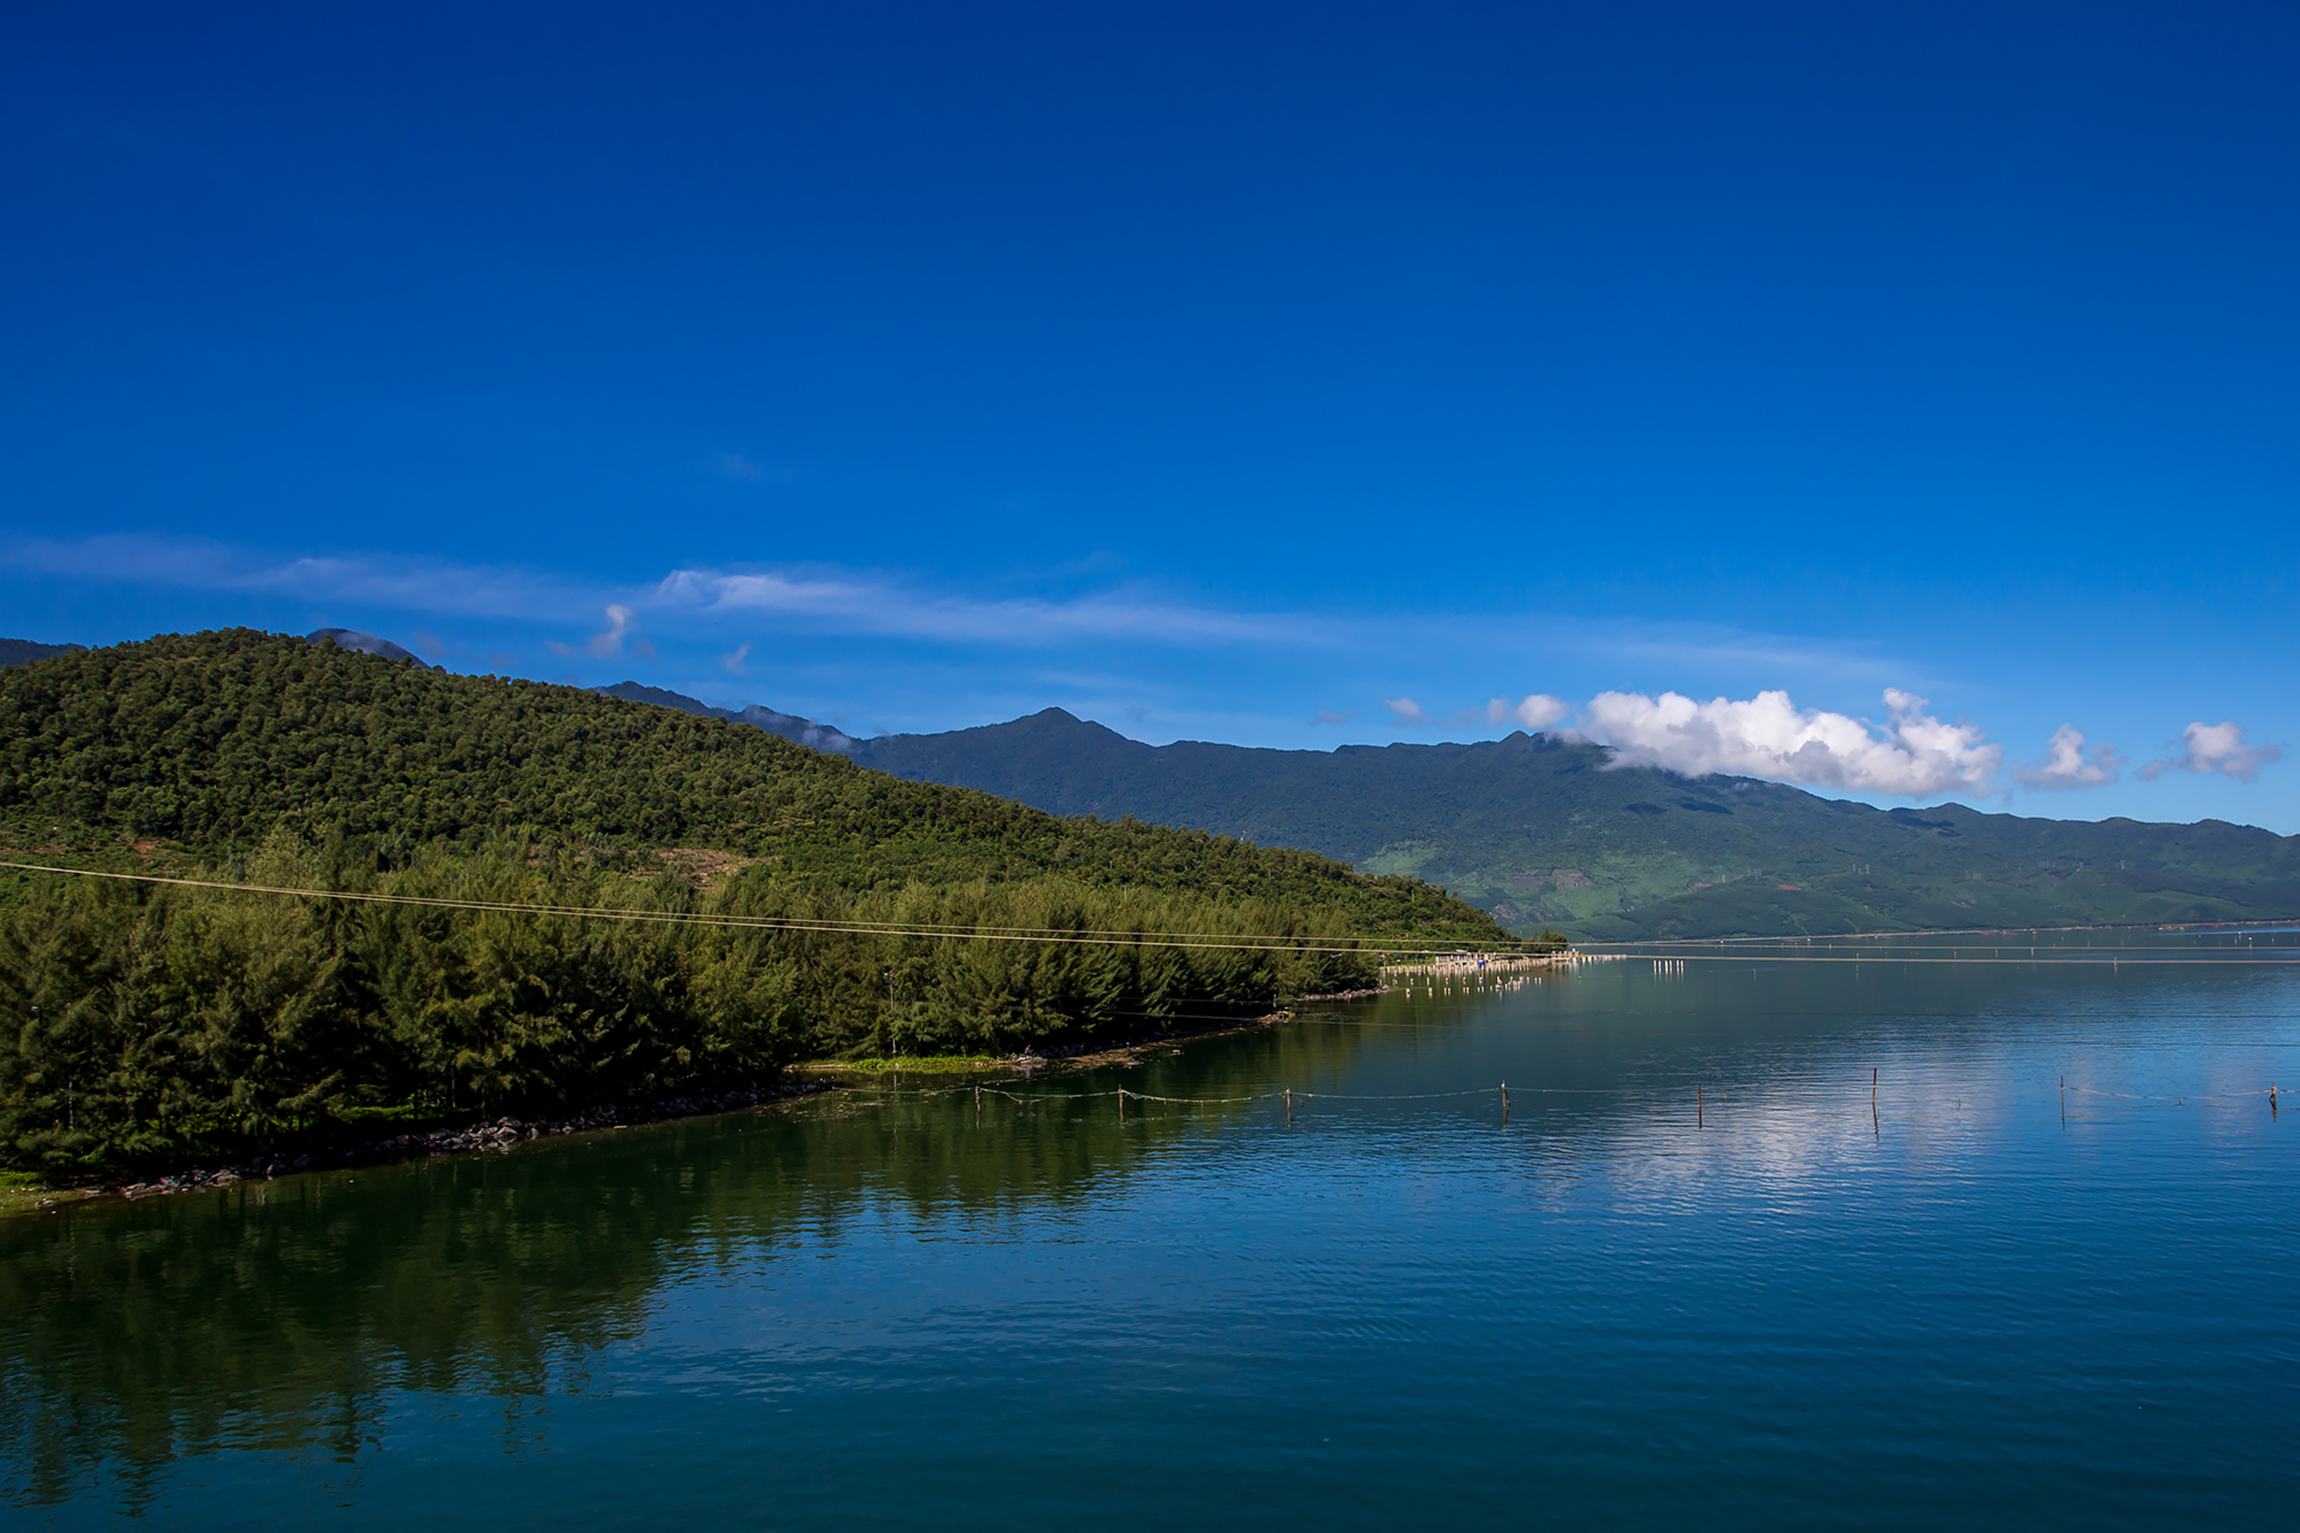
1468 963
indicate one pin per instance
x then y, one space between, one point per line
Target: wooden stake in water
1697 1114
1505 1104
2064 1101
1874 1128
1289 1106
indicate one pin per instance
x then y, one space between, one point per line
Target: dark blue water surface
888 1310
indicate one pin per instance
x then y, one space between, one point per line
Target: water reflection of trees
284 1316
276 1315
281 1316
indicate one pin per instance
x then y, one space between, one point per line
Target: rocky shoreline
501 1134
505 1132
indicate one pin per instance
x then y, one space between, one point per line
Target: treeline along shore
508 897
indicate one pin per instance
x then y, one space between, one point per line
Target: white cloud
1768 736
608 642
2215 749
2066 763
1537 712
1328 716
734 659
1405 710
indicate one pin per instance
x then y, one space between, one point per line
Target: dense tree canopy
215 740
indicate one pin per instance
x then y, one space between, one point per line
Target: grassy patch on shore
24 1192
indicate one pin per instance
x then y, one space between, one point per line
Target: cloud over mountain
1536 713
1768 736
2067 764
2214 749
608 642
1405 710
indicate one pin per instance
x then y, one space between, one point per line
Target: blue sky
1205 370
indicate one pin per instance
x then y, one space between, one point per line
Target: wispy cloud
380 580
835 601
608 643
1705 647
851 604
895 606
1768 736
1764 735
2068 764
2214 749
734 465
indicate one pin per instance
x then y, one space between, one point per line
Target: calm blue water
886 1311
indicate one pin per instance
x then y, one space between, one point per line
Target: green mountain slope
215 740
1540 831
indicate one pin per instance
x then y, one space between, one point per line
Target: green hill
216 740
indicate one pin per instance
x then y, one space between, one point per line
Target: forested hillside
215 740
573 898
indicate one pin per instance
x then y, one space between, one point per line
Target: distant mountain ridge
1540 831
366 644
822 737
25 651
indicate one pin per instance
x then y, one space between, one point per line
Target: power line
2265 923
2065 958
1206 940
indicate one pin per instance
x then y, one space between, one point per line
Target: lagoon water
884 1309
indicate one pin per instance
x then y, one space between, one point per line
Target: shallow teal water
884 1310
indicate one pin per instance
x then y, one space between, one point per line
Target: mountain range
25 651
1544 831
